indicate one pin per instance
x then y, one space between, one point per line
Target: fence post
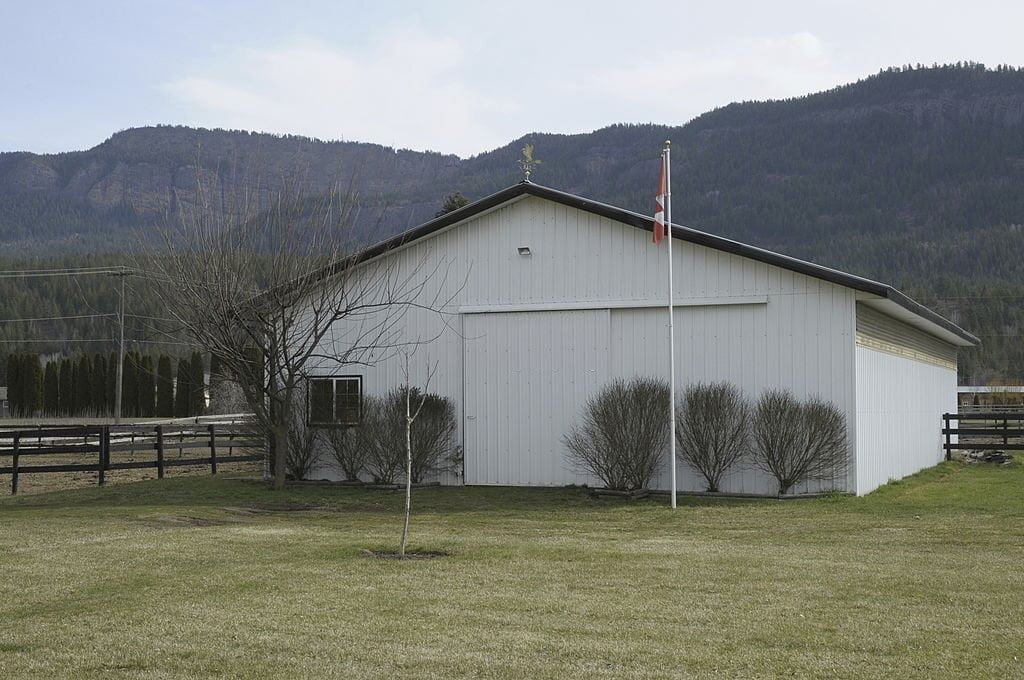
14 466
160 451
945 421
213 451
104 445
1006 422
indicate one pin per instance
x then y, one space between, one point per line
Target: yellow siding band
885 334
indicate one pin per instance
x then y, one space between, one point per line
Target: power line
38 273
163 342
58 318
58 340
143 316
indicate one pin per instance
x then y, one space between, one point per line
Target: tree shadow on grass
257 496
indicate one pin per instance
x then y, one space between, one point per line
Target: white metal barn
551 295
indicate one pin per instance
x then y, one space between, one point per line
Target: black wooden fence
90 447
983 431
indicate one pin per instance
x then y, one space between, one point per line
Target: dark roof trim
643 222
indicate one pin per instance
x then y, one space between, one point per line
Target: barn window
335 400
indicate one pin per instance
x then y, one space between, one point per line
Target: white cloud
405 90
688 82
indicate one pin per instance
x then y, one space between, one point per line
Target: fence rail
95 443
985 431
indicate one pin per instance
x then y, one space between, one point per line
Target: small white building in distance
549 296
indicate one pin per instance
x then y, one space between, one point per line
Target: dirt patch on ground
279 508
270 508
409 555
177 521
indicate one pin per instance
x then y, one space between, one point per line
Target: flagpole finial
668 142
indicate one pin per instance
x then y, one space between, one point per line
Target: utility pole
123 273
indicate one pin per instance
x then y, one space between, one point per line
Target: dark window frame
334 380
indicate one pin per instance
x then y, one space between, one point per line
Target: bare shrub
432 435
713 429
622 437
227 397
303 447
383 427
349 449
797 442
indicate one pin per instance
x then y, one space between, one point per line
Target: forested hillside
914 177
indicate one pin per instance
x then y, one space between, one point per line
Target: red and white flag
659 205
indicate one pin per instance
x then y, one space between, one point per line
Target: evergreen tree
14 384
164 388
99 385
216 369
130 386
73 407
26 396
65 390
83 387
197 400
32 372
452 201
147 388
182 388
111 386
51 389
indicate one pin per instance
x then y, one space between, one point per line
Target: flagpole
671 322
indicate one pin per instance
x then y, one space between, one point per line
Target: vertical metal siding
528 375
802 339
900 403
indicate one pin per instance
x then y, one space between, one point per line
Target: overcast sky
455 77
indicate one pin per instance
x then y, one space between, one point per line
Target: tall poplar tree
73 406
83 386
130 387
111 381
197 400
147 388
66 389
14 383
164 388
182 388
51 389
32 385
99 385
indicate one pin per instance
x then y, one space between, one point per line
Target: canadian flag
659 205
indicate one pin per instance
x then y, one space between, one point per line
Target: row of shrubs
376 447
622 438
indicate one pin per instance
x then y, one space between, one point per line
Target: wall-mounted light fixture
524 251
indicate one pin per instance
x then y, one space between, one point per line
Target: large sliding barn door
528 376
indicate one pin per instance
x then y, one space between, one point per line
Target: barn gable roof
883 296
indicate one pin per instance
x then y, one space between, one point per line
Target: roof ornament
527 162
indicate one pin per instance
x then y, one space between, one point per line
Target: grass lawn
205 577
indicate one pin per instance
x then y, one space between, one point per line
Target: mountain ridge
913 177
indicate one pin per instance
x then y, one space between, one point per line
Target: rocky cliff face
938 148
914 177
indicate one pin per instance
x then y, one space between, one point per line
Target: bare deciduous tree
713 429
797 442
261 278
410 418
622 438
